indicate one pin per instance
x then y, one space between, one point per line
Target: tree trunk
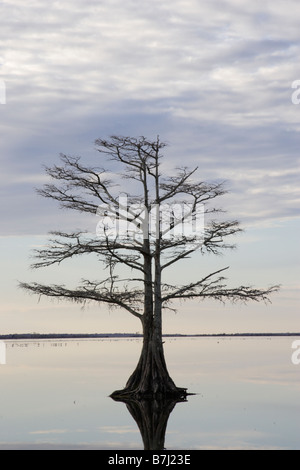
151 378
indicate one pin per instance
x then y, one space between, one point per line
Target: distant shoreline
20 336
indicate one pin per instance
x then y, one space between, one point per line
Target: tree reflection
151 416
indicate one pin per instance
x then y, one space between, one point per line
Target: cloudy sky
213 79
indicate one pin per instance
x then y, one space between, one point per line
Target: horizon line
133 335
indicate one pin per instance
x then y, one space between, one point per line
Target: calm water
55 394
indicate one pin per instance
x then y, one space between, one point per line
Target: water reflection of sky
56 394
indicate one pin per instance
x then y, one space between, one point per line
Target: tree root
136 394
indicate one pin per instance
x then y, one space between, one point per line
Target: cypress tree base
151 378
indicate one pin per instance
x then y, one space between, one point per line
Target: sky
214 79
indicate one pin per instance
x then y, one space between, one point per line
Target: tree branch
74 244
216 289
89 292
189 289
75 176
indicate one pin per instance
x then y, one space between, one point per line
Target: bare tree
141 231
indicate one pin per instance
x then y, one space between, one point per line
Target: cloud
50 431
213 79
118 429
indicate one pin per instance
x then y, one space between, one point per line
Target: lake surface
54 394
